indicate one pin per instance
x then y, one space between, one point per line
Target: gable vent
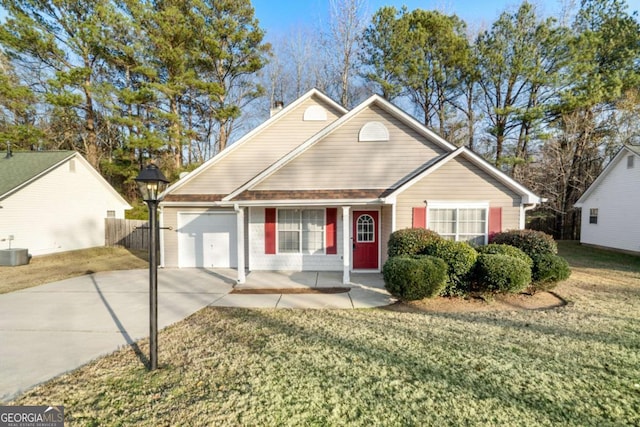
315 113
373 131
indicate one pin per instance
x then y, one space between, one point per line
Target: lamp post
152 183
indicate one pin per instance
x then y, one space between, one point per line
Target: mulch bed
333 290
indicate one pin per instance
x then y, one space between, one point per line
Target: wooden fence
130 233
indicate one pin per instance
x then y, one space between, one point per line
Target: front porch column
346 245
240 233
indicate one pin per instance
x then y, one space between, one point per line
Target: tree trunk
91 142
176 138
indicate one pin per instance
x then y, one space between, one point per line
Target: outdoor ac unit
12 257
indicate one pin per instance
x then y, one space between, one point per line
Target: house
611 205
54 201
317 187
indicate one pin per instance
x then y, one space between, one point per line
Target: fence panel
130 233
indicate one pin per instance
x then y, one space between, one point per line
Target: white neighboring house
54 201
611 205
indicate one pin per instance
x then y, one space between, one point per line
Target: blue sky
280 16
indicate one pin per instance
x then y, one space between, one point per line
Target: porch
303 289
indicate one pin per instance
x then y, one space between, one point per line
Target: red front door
365 240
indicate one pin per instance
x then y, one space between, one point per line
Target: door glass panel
365 229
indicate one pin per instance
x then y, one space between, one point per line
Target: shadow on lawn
123 331
460 373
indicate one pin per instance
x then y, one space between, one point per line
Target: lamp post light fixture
152 183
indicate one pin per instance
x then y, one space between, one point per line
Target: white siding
618 202
258 260
61 211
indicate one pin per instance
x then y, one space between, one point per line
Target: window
301 231
111 214
630 162
459 223
593 216
315 113
366 229
373 131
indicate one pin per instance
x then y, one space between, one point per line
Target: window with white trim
459 223
366 229
301 231
593 216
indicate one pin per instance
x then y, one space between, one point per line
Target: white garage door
207 240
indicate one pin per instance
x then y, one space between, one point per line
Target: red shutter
420 217
270 231
331 235
495 221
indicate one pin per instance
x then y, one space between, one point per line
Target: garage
207 239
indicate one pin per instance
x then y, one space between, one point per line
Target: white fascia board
291 202
103 181
622 152
36 177
248 136
415 124
318 202
528 197
425 173
383 103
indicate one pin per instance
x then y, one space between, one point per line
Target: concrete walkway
54 328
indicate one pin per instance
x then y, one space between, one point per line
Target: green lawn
575 365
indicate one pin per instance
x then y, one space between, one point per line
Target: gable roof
24 167
374 99
624 150
424 170
250 135
430 167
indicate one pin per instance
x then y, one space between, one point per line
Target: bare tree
347 21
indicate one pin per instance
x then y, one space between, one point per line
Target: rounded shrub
531 242
410 241
502 274
502 249
412 278
548 270
460 258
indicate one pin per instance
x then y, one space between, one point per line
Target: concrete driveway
51 329
48 330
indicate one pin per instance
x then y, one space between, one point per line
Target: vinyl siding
618 204
61 211
258 260
459 181
339 161
255 155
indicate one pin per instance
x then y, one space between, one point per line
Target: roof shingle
23 166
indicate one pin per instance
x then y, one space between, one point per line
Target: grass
577 365
50 268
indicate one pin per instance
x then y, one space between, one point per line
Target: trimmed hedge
414 277
460 258
531 242
502 274
548 270
503 249
410 241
